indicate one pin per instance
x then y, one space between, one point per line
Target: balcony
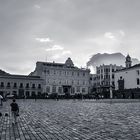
1 86
14 87
8 87
27 87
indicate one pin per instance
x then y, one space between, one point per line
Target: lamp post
111 94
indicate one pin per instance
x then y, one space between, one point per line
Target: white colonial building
129 77
20 85
63 78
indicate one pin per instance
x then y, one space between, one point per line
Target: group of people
14 110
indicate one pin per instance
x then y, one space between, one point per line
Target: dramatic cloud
30 30
107 42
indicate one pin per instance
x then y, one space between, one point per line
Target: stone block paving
71 120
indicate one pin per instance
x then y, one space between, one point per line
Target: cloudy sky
52 30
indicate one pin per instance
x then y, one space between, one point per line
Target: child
14 111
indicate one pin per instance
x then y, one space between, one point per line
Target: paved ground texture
72 120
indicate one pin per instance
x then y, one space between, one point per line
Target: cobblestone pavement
72 120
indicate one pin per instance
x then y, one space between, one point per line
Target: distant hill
114 58
3 72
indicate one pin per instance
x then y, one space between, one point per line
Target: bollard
0 114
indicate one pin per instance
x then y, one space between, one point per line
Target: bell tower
128 62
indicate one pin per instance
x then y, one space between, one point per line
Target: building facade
129 77
105 78
63 78
21 86
93 82
127 80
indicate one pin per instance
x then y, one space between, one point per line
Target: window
27 85
59 72
54 89
101 71
112 76
83 74
33 94
8 84
106 70
33 85
15 85
72 73
48 72
83 82
73 90
138 81
39 86
101 76
48 89
27 93
83 90
113 84
54 72
45 71
72 82
2 84
21 85
78 82
78 89
77 73
60 89
138 72
107 76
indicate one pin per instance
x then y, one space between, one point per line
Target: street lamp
111 94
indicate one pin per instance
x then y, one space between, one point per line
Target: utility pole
111 94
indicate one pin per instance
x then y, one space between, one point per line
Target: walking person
14 111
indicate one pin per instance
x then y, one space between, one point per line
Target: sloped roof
132 67
3 72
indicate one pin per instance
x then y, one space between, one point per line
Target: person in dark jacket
14 111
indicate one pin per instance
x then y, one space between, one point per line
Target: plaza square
72 120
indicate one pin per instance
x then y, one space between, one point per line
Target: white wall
130 78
